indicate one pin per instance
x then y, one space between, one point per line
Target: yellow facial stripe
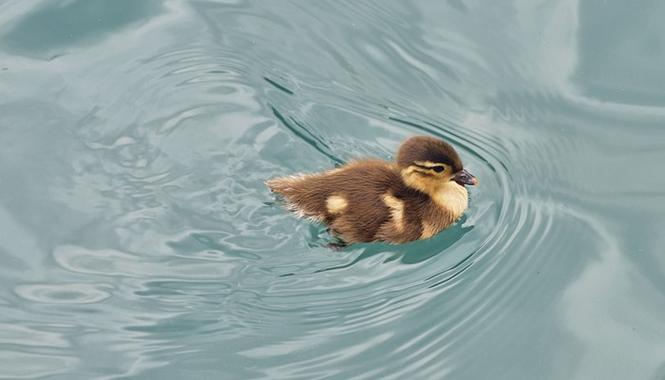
414 169
427 164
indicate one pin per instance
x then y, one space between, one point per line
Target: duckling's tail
276 185
284 186
300 195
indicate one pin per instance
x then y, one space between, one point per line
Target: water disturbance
138 241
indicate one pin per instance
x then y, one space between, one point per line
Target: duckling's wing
365 210
353 192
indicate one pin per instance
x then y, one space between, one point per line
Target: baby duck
413 198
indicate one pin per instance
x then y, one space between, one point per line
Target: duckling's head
427 163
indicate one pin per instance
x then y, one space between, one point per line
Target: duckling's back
361 202
327 195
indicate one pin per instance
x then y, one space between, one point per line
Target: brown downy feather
366 201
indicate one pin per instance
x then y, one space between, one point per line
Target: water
138 241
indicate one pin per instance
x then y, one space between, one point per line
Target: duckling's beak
465 178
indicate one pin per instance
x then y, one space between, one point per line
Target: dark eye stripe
438 168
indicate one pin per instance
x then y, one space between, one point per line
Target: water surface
139 242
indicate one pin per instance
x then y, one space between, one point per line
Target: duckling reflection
415 197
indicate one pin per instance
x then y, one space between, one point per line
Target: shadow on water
411 253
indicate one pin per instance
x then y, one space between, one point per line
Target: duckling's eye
438 169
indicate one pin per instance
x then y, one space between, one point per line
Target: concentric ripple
139 239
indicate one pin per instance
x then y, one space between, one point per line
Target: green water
137 240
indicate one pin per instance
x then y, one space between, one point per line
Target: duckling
415 197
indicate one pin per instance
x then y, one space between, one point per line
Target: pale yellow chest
453 198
